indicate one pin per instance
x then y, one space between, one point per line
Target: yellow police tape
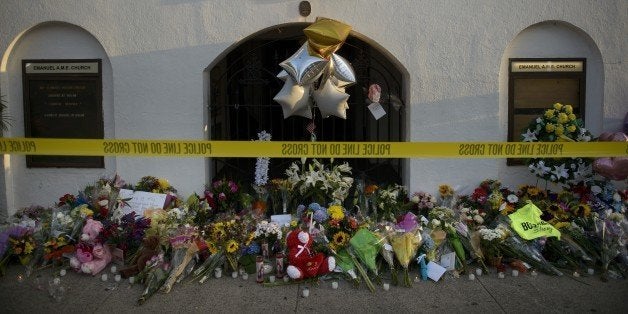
200 148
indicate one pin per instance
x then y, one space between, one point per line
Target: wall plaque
63 99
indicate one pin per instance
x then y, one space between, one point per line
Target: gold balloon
325 36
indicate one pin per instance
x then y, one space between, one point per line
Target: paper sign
281 220
448 261
117 255
377 110
140 201
435 271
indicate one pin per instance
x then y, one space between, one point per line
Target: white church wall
158 51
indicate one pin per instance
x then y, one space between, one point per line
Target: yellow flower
571 117
549 113
85 211
558 106
561 224
218 233
250 238
163 184
335 212
550 127
559 130
571 128
582 210
568 109
563 118
340 238
293 223
445 190
211 246
232 246
533 191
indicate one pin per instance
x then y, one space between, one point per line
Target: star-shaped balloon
331 101
343 71
325 36
304 68
293 98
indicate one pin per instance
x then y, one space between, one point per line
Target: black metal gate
244 83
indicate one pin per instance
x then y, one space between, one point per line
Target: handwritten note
448 261
377 110
140 201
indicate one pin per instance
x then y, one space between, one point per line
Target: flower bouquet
558 124
153 276
267 233
224 196
184 248
390 202
320 183
405 246
385 232
366 245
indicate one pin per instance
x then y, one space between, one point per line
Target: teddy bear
91 256
304 262
150 248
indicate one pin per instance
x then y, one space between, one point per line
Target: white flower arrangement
261 166
268 230
319 181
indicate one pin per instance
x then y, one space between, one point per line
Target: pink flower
222 196
233 187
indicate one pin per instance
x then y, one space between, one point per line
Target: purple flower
320 216
222 196
233 187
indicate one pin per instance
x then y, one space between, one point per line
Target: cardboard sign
281 220
140 201
377 110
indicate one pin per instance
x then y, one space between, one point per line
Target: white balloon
303 68
283 75
293 98
330 100
343 71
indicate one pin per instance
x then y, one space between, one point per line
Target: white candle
271 278
515 273
471 277
576 274
478 271
117 278
103 277
386 286
590 271
500 275
234 274
305 293
114 269
131 280
334 285
245 276
533 273
286 279
218 272
62 272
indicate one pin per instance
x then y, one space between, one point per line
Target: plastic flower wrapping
405 246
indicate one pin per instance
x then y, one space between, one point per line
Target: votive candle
286 279
62 272
234 274
386 286
104 277
131 280
271 278
305 293
471 277
117 278
478 271
500 275
590 271
334 285
245 276
114 269
515 273
218 272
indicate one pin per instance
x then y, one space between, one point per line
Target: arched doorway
243 84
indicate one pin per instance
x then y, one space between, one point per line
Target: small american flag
311 127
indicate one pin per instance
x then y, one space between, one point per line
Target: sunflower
211 246
340 239
581 210
232 246
218 233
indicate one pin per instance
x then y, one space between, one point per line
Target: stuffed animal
91 256
304 262
150 248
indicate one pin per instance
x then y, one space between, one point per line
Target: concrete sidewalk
525 293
